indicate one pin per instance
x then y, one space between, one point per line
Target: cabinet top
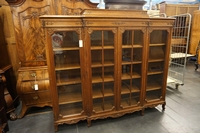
104 13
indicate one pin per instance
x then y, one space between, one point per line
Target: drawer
31 74
36 98
28 87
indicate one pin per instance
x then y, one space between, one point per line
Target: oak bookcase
106 63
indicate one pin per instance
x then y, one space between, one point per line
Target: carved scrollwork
48 23
87 23
118 23
78 23
71 11
33 15
114 30
50 31
121 30
72 121
144 30
150 23
171 23
78 31
89 30
150 30
115 115
168 30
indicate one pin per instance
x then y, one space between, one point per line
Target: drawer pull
35 97
33 74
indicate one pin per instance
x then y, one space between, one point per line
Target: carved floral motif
71 11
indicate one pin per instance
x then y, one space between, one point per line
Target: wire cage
179 48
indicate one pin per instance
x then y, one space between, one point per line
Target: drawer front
28 87
32 74
36 98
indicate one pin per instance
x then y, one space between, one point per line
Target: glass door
103 69
156 65
131 76
68 72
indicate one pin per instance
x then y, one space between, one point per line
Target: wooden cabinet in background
106 63
3 116
177 9
33 88
6 69
195 33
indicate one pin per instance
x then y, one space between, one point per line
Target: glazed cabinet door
66 71
132 64
157 66
103 68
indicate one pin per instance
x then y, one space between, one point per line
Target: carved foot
55 127
23 111
196 65
89 122
163 107
142 112
13 116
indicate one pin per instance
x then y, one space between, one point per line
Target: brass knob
35 97
33 74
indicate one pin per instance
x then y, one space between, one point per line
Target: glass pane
64 59
65 39
131 71
130 92
137 54
155 66
108 103
102 38
103 96
153 95
158 40
158 36
157 49
102 59
154 84
96 56
132 37
126 55
68 77
132 48
109 56
96 38
68 72
108 38
97 74
108 73
156 52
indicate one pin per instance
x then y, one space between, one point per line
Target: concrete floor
181 115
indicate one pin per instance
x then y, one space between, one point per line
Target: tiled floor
181 115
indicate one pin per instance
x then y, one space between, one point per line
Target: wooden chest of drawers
33 88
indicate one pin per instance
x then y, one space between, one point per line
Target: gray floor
181 115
